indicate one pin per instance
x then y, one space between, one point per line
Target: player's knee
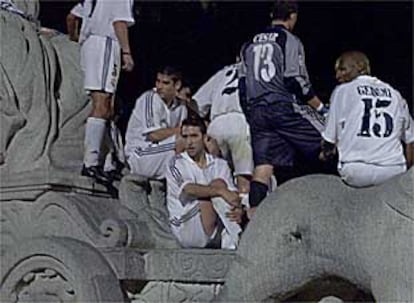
101 107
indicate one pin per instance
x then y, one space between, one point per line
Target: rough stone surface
64 239
316 226
156 292
147 201
29 7
57 270
42 111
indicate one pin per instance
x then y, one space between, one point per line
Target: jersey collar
209 158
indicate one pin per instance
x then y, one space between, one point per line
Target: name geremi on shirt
367 90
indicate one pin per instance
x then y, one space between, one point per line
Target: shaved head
350 65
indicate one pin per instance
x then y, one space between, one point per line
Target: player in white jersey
367 121
200 191
219 96
104 46
154 126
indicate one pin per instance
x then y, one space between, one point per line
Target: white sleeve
154 113
178 176
330 133
223 172
133 133
408 124
122 11
77 10
204 95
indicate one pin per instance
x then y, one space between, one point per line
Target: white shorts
151 161
362 174
189 229
101 63
232 134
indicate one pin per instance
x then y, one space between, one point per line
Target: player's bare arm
409 154
163 133
211 191
201 191
315 102
72 26
231 197
121 32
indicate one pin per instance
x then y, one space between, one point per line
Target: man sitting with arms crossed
367 121
154 125
200 191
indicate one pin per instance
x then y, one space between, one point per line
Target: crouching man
200 192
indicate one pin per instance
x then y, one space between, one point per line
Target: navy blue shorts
281 136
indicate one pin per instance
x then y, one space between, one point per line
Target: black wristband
125 53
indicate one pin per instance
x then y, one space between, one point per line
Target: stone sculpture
43 105
314 227
64 238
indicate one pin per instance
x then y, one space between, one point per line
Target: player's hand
324 110
231 197
235 214
328 151
127 62
325 156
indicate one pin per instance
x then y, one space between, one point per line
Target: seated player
154 126
367 121
200 192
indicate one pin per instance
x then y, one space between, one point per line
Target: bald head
351 65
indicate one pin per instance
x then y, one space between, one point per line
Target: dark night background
202 39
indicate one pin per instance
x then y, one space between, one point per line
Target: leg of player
208 217
259 186
95 130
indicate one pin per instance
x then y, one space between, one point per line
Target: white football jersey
220 93
77 10
367 121
181 171
151 113
98 17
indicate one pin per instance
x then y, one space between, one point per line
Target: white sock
94 132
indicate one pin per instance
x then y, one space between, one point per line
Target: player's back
370 117
264 62
220 94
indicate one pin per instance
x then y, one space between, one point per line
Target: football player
367 121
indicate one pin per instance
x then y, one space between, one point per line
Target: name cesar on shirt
265 37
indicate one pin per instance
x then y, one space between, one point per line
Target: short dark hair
172 71
194 119
282 9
